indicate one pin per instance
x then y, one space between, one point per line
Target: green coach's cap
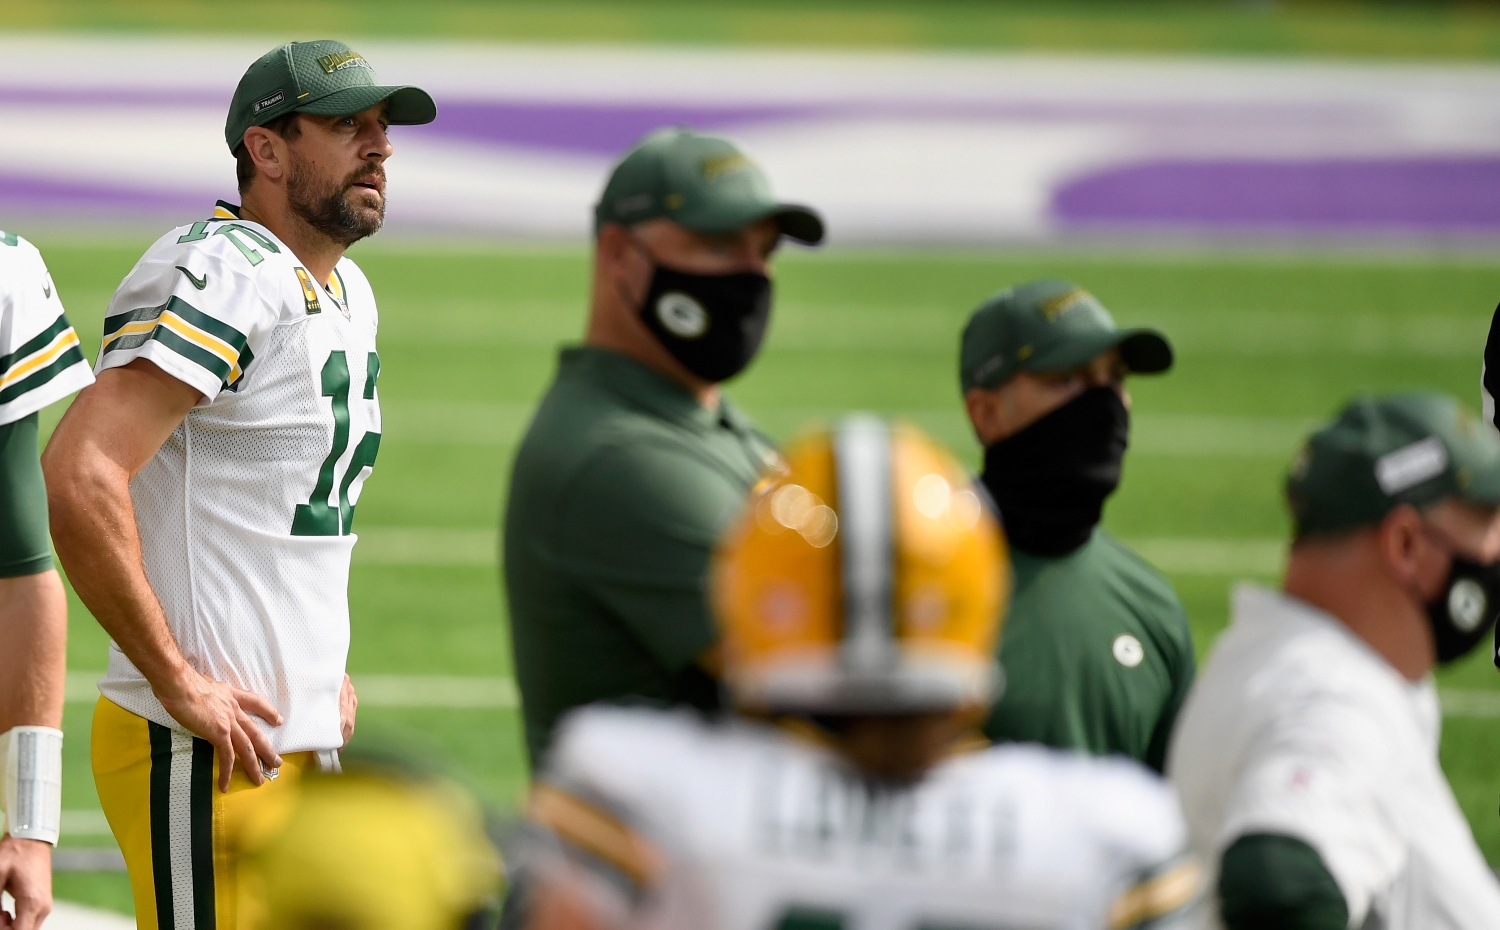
1415 448
323 78
699 181
1049 326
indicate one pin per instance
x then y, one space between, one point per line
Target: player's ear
267 150
1400 539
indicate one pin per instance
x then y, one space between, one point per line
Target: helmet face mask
867 580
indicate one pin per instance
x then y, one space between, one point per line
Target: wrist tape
31 782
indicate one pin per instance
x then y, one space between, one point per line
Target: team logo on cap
338 61
720 165
682 316
1054 307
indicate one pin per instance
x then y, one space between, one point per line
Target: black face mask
1465 608
712 324
1050 479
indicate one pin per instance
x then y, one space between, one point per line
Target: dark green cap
1415 448
323 78
1049 326
699 181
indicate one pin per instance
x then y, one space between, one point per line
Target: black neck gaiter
1050 479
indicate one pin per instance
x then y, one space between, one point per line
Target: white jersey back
765 830
40 361
246 512
1298 728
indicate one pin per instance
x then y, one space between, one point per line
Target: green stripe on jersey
58 327
41 376
198 356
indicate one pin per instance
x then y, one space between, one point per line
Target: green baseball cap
323 78
699 181
1414 448
1049 325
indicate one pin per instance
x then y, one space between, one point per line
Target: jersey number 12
318 517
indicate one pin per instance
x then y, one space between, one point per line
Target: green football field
1267 345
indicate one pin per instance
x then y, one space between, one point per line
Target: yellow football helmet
374 848
868 578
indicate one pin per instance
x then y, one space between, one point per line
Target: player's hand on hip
348 705
220 713
26 872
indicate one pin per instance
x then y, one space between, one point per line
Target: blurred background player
636 460
203 489
860 598
1307 755
40 362
381 846
1097 652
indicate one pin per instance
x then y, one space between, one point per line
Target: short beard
326 208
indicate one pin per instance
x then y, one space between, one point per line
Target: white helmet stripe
862 456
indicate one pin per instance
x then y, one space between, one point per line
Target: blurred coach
1097 652
1307 756
635 459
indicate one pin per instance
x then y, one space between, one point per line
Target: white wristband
31 782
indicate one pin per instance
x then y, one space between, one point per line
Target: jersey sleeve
25 547
638 530
1319 782
194 309
1268 880
1140 820
40 358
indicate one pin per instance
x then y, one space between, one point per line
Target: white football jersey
40 361
765 830
246 513
1297 727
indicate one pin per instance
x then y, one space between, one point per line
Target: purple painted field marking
1428 193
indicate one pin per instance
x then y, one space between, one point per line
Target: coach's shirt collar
647 389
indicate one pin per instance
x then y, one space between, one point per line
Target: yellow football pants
159 789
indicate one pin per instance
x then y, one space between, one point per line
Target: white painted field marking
438 691
69 916
380 545
1155 434
454 692
1229 557
1470 703
406 545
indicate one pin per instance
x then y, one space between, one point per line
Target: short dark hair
287 126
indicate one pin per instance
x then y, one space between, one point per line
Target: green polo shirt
1097 654
619 493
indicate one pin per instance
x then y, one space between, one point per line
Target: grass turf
1382 30
468 342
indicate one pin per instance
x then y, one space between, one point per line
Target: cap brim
798 222
405 105
1144 351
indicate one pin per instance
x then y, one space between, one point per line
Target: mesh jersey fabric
246 512
40 360
762 828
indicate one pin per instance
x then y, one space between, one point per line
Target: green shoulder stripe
41 376
58 327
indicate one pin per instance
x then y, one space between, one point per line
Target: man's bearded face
345 210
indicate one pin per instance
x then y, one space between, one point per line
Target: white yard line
452 692
1174 555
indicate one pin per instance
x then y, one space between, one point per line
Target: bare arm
108 435
33 666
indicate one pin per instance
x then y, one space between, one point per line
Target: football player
40 362
203 490
859 598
